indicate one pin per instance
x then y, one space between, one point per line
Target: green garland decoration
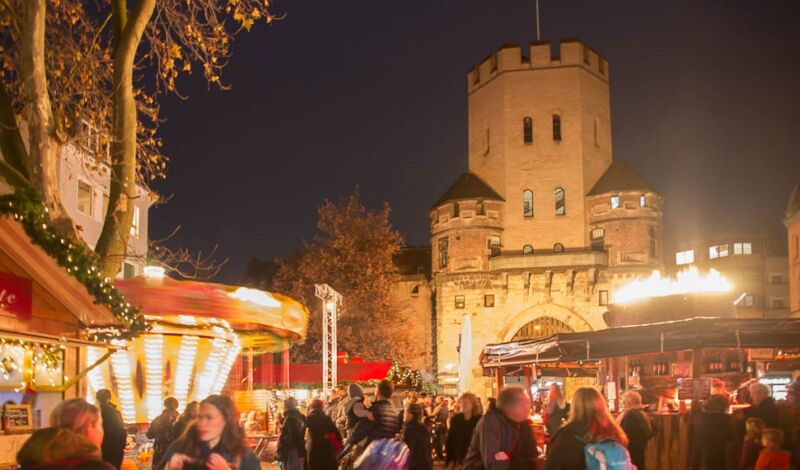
404 376
27 207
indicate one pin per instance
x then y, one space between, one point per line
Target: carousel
196 332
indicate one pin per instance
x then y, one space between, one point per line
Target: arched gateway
541 327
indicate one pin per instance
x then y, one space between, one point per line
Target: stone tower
540 135
533 239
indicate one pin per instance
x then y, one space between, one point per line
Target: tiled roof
620 176
468 186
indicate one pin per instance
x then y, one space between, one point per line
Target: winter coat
386 422
711 433
291 437
566 448
60 449
320 449
639 429
247 461
417 439
555 415
766 410
161 432
114 435
495 433
773 459
459 437
749 456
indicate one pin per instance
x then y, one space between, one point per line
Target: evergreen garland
27 207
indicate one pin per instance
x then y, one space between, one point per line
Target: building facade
792 222
754 268
84 181
534 237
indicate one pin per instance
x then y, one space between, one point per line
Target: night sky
372 93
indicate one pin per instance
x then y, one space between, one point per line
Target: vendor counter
670 448
10 444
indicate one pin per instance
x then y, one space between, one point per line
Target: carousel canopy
651 338
263 320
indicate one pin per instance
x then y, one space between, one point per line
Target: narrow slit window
479 208
527 130
556 127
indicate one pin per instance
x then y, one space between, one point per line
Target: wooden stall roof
676 335
44 270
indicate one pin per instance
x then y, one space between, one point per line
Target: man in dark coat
161 429
637 426
503 439
417 438
386 419
114 435
324 439
763 405
291 443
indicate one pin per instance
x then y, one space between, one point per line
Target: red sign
16 295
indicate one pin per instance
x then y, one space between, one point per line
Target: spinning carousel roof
263 320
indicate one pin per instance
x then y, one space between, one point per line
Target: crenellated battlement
540 55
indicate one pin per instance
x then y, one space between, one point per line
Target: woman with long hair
556 409
214 441
589 423
72 442
462 425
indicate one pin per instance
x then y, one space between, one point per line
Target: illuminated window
745 248
614 202
128 270
684 257
560 201
748 301
603 297
85 198
597 234
558 248
494 241
718 251
556 127
479 209
527 250
642 201
527 130
135 222
443 245
488 301
460 302
527 203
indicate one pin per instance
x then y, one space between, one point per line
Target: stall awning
309 374
676 335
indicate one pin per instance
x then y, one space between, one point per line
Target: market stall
44 307
670 362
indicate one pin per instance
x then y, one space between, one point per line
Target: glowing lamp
153 272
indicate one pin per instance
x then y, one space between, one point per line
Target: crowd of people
461 434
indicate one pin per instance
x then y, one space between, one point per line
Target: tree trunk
43 147
113 242
12 166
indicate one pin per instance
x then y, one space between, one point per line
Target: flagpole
538 30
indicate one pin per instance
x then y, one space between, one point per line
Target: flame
687 281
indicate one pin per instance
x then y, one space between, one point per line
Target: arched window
558 248
527 203
556 127
527 130
527 250
560 195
